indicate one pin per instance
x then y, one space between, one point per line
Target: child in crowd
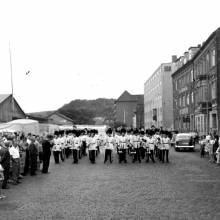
218 155
1 180
202 146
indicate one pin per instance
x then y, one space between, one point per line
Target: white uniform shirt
14 152
92 143
109 142
122 140
56 146
76 143
166 143
135 141
151 143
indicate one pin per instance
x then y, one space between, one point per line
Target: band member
135 141
150 150
56 149
76 147
92 145
142 150
109 145
122 146
162 148
84 146
166 142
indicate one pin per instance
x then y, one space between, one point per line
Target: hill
90 111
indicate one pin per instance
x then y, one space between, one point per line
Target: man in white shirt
92 144
109 145
166 143
15 158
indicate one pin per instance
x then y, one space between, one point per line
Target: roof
43 114
3 97
217 31
127 97
46 114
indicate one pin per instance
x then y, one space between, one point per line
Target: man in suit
47 146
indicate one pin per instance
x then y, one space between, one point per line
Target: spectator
5 163
47 146
15 158
33 156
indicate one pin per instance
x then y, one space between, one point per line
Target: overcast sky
90 49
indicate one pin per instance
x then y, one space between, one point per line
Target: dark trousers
46 163
92 154
15 170
137 155
84 148
122 156
56 155
33 163
27 162
98 151
62 155
142 152
80 153
6 176
150 154
166 153
75 156
108 154
162 154
67 152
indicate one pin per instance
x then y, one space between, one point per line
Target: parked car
184 141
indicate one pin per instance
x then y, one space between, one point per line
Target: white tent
48 128
23 125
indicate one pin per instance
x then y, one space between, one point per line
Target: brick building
129 110
195 88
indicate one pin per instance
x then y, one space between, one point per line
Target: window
213 58
191 76
213 89
214 121
183 101
180 102
167 68
207 62
192 98
187 99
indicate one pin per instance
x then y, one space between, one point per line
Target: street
186 188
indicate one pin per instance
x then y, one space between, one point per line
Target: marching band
138 145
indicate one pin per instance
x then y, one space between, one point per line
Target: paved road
186 188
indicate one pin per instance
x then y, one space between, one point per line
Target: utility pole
12 89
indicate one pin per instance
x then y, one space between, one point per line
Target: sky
93 49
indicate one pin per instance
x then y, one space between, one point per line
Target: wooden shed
8 110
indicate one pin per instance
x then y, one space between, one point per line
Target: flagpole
12 89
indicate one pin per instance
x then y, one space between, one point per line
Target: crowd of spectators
210 147
22 155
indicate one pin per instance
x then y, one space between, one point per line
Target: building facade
195 88
129 110
10 109
158 109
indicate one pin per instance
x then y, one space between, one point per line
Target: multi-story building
195 88
158 96
129 110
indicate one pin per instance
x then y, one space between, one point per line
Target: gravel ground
186 188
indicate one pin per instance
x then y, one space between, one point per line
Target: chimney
174 58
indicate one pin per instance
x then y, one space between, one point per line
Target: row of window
202 93
205 63
200 68
185 100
